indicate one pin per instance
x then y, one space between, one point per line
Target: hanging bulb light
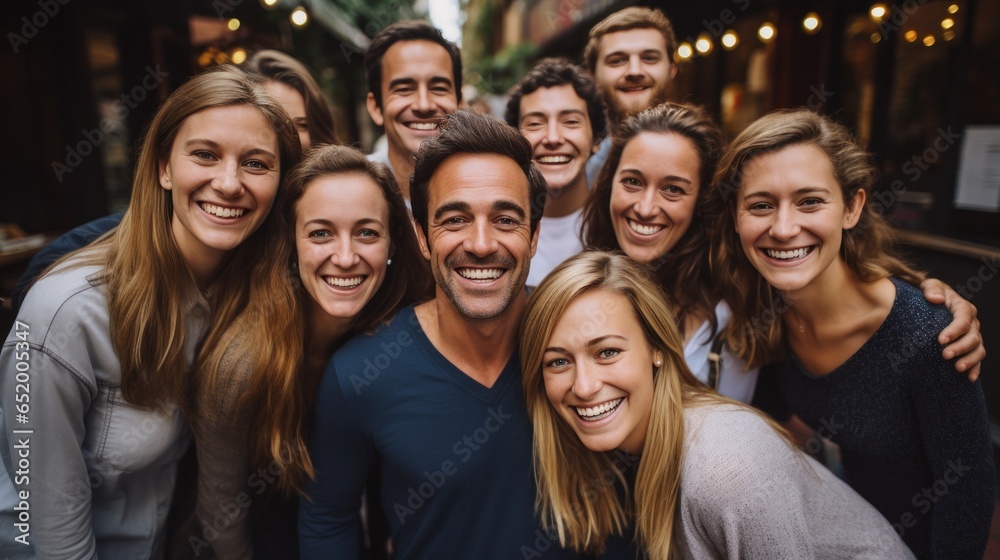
299 17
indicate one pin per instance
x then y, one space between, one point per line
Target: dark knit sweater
913 433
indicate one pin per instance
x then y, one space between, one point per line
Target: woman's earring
388 263
295 267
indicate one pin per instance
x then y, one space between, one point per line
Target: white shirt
558 240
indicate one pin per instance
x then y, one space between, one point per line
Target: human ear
853 209
374 110
165 182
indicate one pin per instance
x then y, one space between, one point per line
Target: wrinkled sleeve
56 478
343 455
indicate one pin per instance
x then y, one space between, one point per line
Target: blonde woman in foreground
604 368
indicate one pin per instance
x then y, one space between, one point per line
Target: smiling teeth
599 411
554 159
480 273
796 254
644 230
344 282
423 126
222 212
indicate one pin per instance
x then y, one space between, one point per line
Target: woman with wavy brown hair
617 413
341 260
650 201
813 279
647 203
106 338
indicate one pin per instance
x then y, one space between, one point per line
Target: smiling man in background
414 80
558 110
631 55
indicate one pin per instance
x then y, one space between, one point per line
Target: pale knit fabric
745 493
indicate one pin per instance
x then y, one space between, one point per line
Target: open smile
224 212
554 159
423 126
789 254
598 412
481 275
344 282
644 229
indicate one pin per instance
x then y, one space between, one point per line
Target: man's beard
619 111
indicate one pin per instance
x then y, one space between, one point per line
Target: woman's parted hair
148 283
683 272
408 279
575 498
278 66
867 248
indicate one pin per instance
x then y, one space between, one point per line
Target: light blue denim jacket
99 473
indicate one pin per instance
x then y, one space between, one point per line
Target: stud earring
388 263
658 363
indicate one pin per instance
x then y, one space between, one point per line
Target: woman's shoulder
69 295
911 306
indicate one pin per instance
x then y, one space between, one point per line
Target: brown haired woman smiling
109 333
799 243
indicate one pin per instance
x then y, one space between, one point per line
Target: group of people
351 342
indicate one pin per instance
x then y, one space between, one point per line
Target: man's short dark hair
553 72
466 132
409 30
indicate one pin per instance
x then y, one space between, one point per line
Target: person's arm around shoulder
44 407
962 338
342 455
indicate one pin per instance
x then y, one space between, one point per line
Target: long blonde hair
755 332
575 498
148 283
